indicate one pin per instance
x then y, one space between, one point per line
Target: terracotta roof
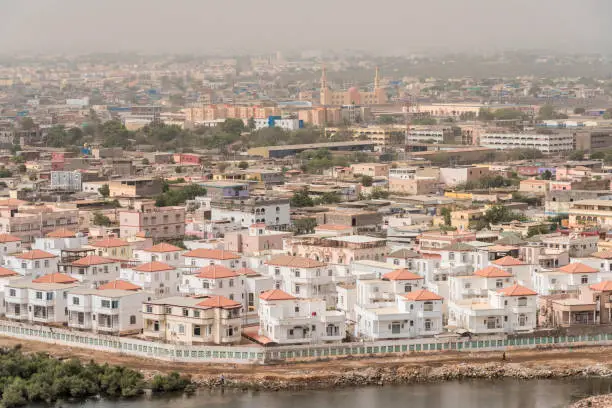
219 301
211 254
109 243
401 274
7 272
517 290
215 272
605 286
119 284
162 247
61 233
246 271
8 238
577 267
294 262
508 261
90 260
35 254
154 266
492 272
422 294
276 294
55 278
602 255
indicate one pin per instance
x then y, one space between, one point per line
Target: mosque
353 96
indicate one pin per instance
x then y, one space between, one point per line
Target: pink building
157 222
255 240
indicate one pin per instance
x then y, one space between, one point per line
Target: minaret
324 89
379 93
376 80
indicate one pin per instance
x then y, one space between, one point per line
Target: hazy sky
268 25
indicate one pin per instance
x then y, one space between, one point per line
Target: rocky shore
321 379
598 401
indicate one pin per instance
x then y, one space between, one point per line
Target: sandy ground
553 358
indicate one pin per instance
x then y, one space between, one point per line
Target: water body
476 393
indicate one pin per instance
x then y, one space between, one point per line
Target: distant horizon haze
240 26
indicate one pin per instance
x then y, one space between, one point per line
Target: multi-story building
452 176
437 135
214 280
135 187
158 222
42 300
193 320
157 278
92 269
66 180
163 252
546 143
111 247
353 95
274 212
56 241
285 319
201 257
256 240
342 250
32 263
371 169
28 223
9 244
590 213
303 277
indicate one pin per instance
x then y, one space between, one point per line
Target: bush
170 383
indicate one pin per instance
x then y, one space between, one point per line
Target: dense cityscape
286 206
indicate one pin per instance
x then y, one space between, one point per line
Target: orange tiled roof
294 262
516 290
604 286
246 271
55 278
577 267
508 261
602 254
35 254
401 274
211 254
276 294
219 301
119 284
61 233
422 294
8 238
4 272
154 266
215 272
109 243
162 247
90 260
492 272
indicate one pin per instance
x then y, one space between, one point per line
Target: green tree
251 124
22 168
101 220
446 213
5 172
104 190
379 194
243 165
579 111
145 161
366 180
576 155
548 112
304 225
180 196
547 175
386 120
301 198
598 155
27 123
233 126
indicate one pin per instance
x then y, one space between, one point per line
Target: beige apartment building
136 187
155 222
30 222
193 320
591 213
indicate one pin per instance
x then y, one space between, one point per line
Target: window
149 309
395 327
181 329
46 263
584 279
407 288
76 301
428 325
522 320
522 301
297 309
168 310
290 332
132 319
196 313
205 285
12 292
231 283
499 283
186 312
39 295
196 331
105 303
396 262
277 271
115 304
297 289
37 264
297 273
49 295
220 284
467 285
428 306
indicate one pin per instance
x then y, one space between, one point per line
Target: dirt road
536 359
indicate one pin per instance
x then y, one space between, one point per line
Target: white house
303 277
201 257
157 278
286 319
162 252
42 300
6 276
93 270
521 271
506 310
477 286
55 241
566 279
9 244
415 314
33 263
